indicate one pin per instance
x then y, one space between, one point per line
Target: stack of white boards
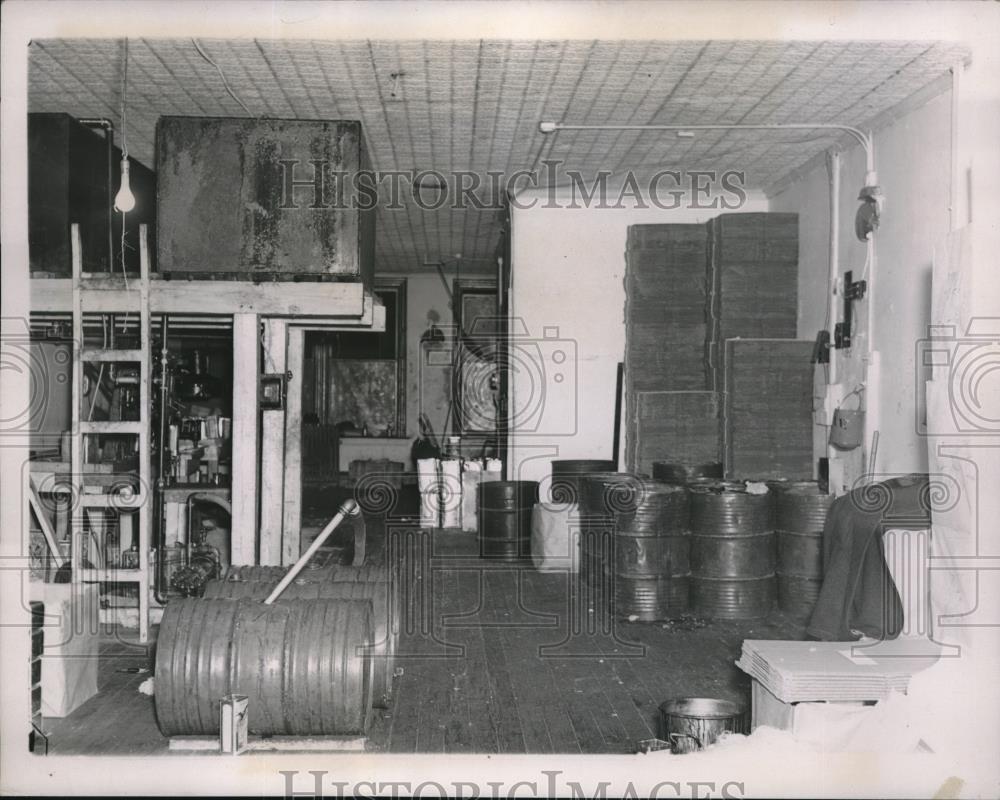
832 671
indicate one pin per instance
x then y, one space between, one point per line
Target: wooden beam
246 375
292 523
276 298
272 449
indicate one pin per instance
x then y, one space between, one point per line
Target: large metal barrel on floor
800 514
311 572
647 527
385 615
683 474
732 551
302 663
568 475
505 519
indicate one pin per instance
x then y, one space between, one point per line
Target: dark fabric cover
858 595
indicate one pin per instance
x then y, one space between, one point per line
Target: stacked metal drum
630 523
679 545
732 550
800 514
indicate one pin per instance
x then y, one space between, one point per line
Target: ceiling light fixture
124 200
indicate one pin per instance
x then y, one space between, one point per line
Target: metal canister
732 551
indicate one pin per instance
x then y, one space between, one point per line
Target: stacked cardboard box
665 317
766 421
752 278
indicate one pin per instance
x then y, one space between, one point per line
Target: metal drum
647 528
684 474
385 615
633 525
800 515
302 663
692 723
732 551
600 492
505 519
567 477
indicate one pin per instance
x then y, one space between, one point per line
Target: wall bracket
853 290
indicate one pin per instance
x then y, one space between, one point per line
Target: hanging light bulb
124 200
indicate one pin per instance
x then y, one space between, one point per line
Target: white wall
568 276
913 157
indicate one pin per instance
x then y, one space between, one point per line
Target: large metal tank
264 197
385 615
732 551
800 515
302 663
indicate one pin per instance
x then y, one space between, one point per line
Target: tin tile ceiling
476 105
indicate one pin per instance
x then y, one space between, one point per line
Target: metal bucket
693 723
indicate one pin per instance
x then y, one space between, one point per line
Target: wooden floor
494 659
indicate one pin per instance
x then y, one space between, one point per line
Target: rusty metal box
264 197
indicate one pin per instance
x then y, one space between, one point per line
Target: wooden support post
292 523
272 450
246 379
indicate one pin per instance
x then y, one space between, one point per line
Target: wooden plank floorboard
522 664
548 592
458 736
564 674
502 709
405 712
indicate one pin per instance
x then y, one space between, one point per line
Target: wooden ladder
110 294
